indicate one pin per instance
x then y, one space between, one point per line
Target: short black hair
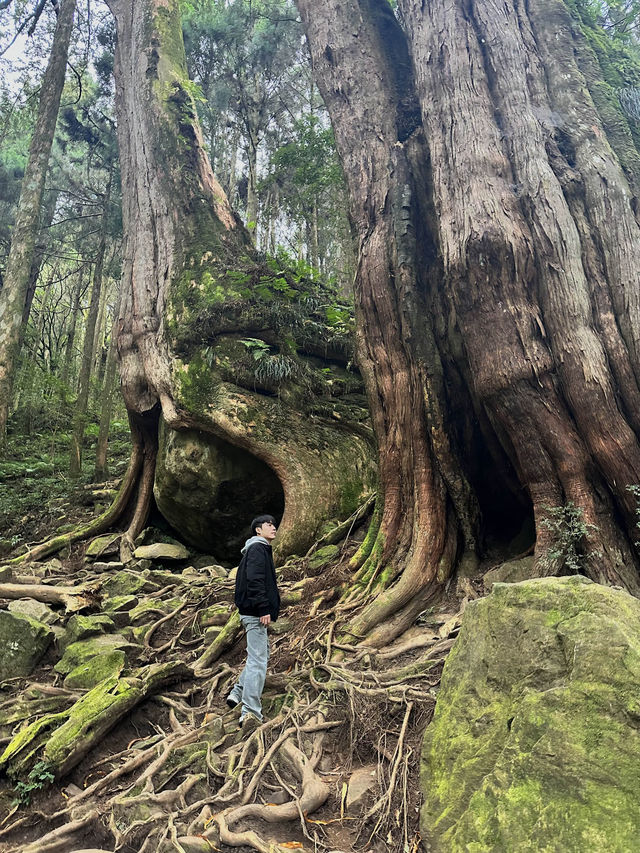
259 521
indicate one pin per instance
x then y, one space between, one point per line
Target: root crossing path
121 740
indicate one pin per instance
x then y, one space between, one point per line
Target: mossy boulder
23 642
82 652
102 545
162 551
323 556
80 627
37 610
128 583
512 571
535 741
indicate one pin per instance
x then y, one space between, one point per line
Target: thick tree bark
101 470
16 282
427 517
473 132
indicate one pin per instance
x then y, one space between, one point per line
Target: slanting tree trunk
498 263
16 281
88 354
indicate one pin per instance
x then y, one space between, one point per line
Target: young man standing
258 601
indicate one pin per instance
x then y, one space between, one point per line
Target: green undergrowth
36 494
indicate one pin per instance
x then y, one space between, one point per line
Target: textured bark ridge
211 338
498 274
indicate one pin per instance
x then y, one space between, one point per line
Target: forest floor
334 767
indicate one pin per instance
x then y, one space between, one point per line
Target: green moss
609 66
323 556
197 386
531 747
82 652
96 669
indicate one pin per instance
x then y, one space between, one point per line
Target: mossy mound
535 742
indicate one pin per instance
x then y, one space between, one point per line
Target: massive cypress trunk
499 246
192 285
21 254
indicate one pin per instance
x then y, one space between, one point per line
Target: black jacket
256 588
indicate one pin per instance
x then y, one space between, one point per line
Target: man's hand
265 620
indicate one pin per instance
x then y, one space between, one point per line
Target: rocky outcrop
535 742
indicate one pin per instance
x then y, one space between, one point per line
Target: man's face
267 531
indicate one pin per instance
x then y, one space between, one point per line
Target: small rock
80 627
108 567
34 609
43 570
279 797
214 569
211 633
513 571
161 551
23 642
362 781
103 545
5 573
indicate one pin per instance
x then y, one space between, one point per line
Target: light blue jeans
248 688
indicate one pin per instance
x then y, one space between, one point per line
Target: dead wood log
71 597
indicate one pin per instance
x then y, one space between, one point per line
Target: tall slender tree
16 281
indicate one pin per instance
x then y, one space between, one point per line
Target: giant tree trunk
499 245
188 276
16 281
427 513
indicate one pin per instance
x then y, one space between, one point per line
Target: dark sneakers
231 702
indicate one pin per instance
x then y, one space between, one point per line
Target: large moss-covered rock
96 669
82 652
23 642
535 742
